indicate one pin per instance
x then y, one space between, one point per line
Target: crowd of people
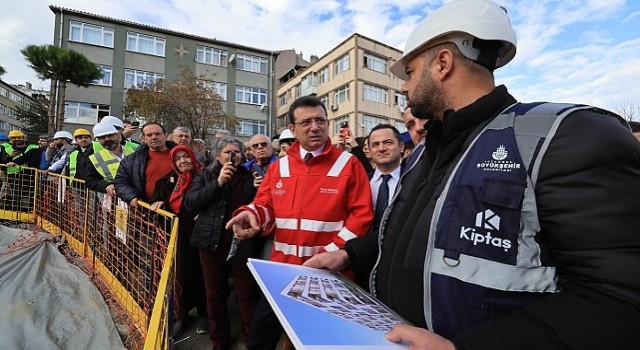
495 224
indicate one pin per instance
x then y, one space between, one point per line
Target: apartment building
354 83
131 54
12 98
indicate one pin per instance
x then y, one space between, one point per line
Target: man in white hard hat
103 165
58 151
506 243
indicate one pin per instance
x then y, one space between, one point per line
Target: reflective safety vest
107 164
482 256
9 148
97 147
73 163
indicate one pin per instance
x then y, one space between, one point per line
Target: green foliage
61 66
34 117
189 101
2 71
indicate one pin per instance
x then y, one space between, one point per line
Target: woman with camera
215 194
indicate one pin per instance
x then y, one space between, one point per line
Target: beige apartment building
11 99
133 54
354 83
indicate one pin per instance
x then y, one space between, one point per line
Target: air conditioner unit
334 107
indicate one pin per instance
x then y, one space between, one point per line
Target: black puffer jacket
130 180
210 202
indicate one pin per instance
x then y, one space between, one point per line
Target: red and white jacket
315 207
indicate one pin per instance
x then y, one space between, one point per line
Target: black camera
344 125
232 158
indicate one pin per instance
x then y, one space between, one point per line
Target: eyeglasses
260 144
307 122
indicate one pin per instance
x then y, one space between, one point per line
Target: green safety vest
107 164
73 163
9 148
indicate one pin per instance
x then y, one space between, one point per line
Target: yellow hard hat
16 133
81 132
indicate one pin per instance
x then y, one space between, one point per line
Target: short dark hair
153 123
635 126
396 133
305 101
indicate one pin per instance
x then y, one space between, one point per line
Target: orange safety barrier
128 252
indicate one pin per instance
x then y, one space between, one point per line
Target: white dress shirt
376 180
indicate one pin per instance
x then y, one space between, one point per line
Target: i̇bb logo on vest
484 233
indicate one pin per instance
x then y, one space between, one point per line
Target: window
375 63
84 113
323 75
139 78
338 121
325 101
342 94
400 126
342 64
298 89
370 121
16 98
251 63
211 55
91 34
148 44
253 95
283 99
251 127
219 88
401 100
4 92
106 78
375 94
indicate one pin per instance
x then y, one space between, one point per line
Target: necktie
382 201
307 157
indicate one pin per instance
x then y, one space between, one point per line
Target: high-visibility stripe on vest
97 147
9 148
73 163
107 164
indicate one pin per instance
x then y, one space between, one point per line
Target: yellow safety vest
107 164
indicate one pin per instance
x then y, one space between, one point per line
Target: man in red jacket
312 201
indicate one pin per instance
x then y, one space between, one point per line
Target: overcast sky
568 50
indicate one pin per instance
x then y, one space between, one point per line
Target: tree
61 66
34 116
189 101
2 71
628 110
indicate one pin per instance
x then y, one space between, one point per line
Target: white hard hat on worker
475 26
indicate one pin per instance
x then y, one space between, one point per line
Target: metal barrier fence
129 252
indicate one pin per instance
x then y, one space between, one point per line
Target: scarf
184 180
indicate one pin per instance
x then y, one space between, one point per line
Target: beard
110 145
429 101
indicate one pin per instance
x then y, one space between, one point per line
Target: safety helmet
103 129
115 121
16 133
63 135
462 22
81 132
286 135
3 137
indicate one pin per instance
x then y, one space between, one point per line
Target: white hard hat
63 135
286 134
460 22
103 129
115 121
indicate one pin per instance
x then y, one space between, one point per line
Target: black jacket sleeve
126 178
358 153
94 180
588 195
203 190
